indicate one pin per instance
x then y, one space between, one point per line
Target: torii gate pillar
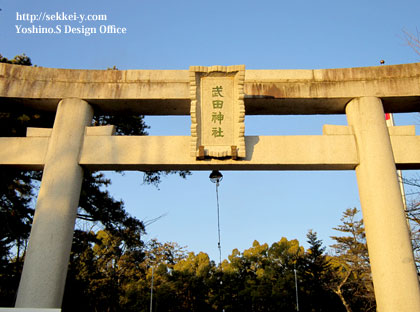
391 257
47 257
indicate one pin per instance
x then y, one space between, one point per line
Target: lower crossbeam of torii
217 98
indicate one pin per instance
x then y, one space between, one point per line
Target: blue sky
262 35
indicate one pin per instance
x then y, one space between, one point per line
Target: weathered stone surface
166 92
335 151
48 252
394 272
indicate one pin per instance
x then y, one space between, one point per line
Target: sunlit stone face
217 111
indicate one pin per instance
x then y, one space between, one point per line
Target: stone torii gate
366 145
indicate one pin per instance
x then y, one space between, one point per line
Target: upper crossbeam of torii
167 92
217 98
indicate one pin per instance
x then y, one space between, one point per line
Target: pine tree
317 278
353 277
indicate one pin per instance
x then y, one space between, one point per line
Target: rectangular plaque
217 111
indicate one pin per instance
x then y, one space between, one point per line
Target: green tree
100 272
16 193
285 257
317 277
261 278
15 222
190 279
135 271
353 276
160 262
21 59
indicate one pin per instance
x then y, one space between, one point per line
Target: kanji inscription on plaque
217 111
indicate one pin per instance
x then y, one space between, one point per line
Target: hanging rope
218 222
216 177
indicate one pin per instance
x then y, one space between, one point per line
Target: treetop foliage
21 59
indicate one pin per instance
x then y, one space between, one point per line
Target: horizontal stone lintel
346 130
324 152
25 153
167 92
90 131
263 153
